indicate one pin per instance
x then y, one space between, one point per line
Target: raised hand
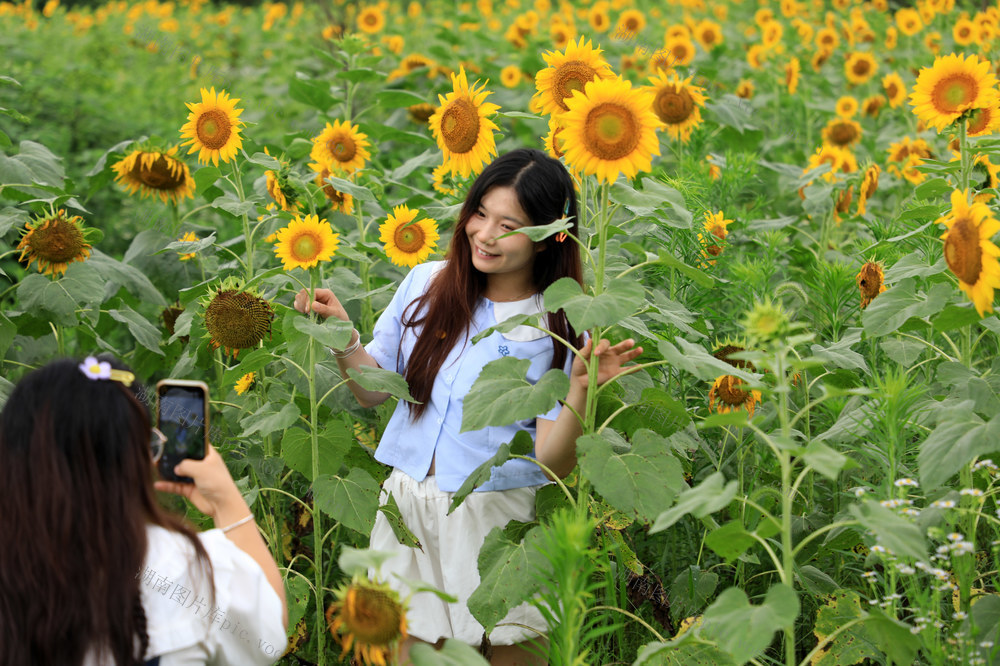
325 304
611 358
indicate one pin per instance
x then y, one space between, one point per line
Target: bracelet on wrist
344 353
244 521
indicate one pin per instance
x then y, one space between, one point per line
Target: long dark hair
545 192
76 495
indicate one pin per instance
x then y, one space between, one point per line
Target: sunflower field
791 206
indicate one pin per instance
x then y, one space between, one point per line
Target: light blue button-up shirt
411 446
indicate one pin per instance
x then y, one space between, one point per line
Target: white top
244 628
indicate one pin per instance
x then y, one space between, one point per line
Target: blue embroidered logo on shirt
503 350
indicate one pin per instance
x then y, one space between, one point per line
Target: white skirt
449 557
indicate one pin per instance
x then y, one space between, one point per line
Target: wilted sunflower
725 349
843 202
305 242
715 228
677 104
847 106
341 200
869 184
213 127
341 146
842 132
566 72
792 69
461 127
970 254
54 242
155 172
726 396
236 318
408 243
188 237
870 282
371 20
610 129
859 67
169 317
369 616
244 382
951 86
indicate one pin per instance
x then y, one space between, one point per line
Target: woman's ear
541 246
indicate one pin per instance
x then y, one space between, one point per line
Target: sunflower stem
367 314
963 140
317 515
247 235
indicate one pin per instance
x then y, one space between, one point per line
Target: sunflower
869 183
714 228
631 21
843 203
859 67
369 616
461 127
566 72
727 348
341 200
842 132
553 140
726 396
771 34
745 89
561 35
213 127
756 55
610 129
54 242
827 39
951 86
677 31
983 121
244 382
341 146
438 179
169 317
677 104
188 237
900 150
420 113
152 171
371 20
305 242
909 170
792 69
847 106
985 176
236 318
970 254
598 17
870 282
839 159
408 243
676 52
510 76
708 33
908 20
895 89
409 64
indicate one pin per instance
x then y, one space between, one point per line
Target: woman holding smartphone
93 571
425 335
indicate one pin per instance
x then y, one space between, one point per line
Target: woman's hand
213 492
325 304
610 361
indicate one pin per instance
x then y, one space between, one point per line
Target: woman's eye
506 226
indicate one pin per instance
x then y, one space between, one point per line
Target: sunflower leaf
894 532
395 99
743 630
11 217
269 419
334 332
622 298
954 443
357 191
81 285
507 325
386 381
145 333
708 497
351 500
700 277
521 445
694 359
334 443
454 653
891 309
33 164
542 231
502 394
310 93
395 519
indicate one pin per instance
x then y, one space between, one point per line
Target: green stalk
787 495
367 314
247 236
317 515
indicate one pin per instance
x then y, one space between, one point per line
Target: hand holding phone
182 416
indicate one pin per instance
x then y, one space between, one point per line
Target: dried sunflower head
371 617
236 318
55 242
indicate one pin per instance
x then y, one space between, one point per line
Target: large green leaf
7 332
891 309
502 394
900 536
269 418
680 653
745 631
851 646
145 333
622 298
453 653
506 564
954 443
893 637
59 299
521 445
729 541
395 519
385 381
700 277
639 482
825 460
11 218
334 442
117 274
691 590
34 163
334 332
694 359
840 354
706 498
353 501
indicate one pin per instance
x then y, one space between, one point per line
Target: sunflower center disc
371 20
962 251
673 106
954 93
460 126
409 239
570 76
861 67
57 242
611 131
729 394
373 617
213 129
843 134
306 247
892 90
342 148
157 175
980 119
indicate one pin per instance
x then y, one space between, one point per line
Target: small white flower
973 492
905 482
962 547
986 644
860 491
891 503
872 602
938 624
940 574
870 575
985 462
958 615
916 630
943 549
906 569
920 565
943 504
894 596
910 512
878 549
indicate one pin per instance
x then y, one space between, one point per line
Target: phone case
175 451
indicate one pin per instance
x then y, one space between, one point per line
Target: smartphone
182 416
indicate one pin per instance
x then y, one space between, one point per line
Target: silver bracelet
350 350
238 523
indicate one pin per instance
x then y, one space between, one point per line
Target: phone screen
181 418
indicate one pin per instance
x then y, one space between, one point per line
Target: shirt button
449 377
440 421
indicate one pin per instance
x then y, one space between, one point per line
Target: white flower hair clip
95 369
